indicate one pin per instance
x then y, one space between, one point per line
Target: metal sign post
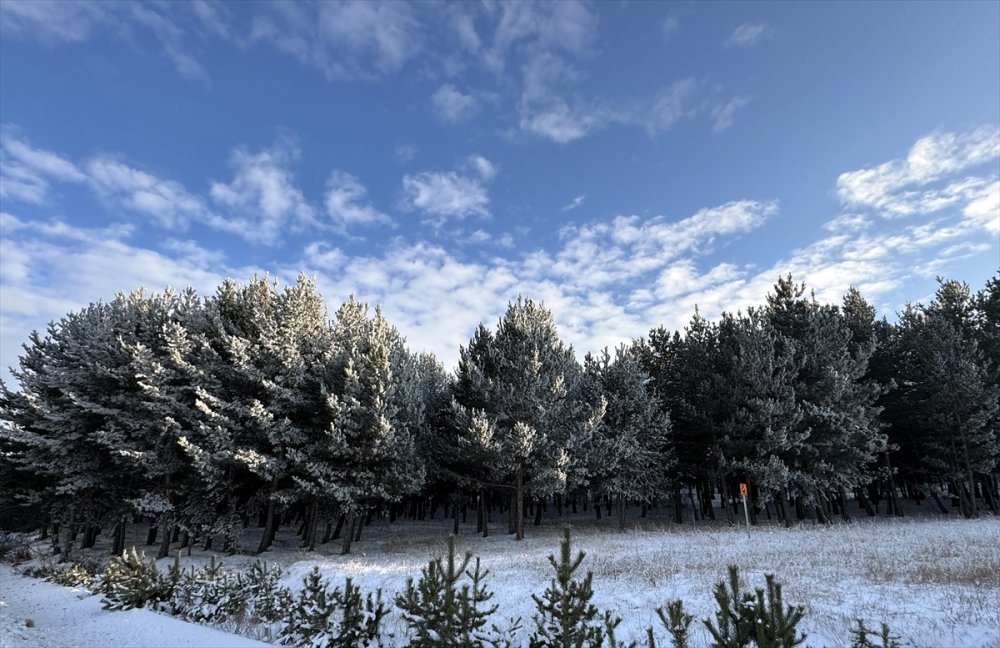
746 512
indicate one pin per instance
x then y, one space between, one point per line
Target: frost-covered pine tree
946 404
364 453
629 455
683 369
519 386
757 414
838 406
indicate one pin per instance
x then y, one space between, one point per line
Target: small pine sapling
266 600
734 622
774 624
676 621
860 637
440 613
130 582
337 618
611 622
309 619
566 618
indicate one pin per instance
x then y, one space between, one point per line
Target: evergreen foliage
861 637
565 616
337 618
676 621
439 612
130 582
734 620
775 624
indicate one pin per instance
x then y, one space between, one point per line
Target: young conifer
566 618
439 612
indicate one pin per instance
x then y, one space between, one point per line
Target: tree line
206 415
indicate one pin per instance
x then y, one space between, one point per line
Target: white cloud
343 39
50 268
573 204
262 195
669 27
167 202
344 202
724 115
749 34
53 21
25 171
453 106
404 153
483 167
172 25
924 181
569 27
443 195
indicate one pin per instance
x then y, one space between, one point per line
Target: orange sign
743 490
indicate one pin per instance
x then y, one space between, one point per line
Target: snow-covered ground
935 582
38 614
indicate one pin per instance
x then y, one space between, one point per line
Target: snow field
935 582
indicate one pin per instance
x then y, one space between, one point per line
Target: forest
203 416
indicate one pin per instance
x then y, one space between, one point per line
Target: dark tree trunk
167 537
538 513
892 502
863 498
519 505
339 528
151 534
313 524
359 526
988 496
118 544
937 500
268 536
621 513
678 504
842 498
482 514
348 534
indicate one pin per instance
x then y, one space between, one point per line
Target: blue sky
622 162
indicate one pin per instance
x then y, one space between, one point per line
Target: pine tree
566 618
629 453
439 612
734 622
838 406
522 383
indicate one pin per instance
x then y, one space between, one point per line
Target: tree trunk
621 513
937 500
339 528
842 498
863 498
519 505
167 537
152 533
482 513
313 524
454 515
988 495
359 526
538 512
268 535
118 544
348 534
892 503
678 503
